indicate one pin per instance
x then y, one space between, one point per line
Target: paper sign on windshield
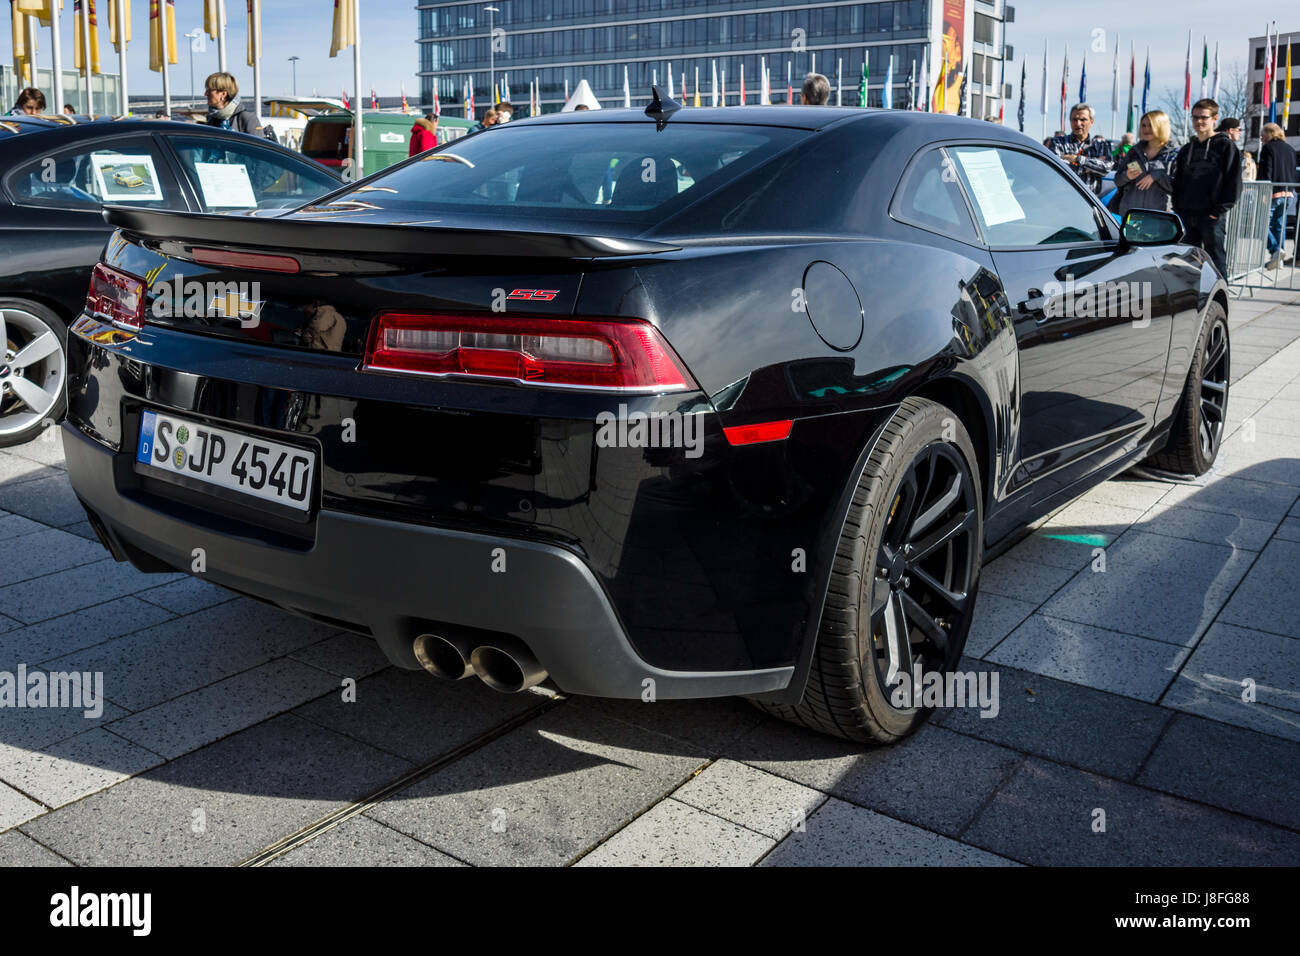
989 184
123 178
225 185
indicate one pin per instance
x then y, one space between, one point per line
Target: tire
1198 426
923 445
33 395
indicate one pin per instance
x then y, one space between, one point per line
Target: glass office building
559 42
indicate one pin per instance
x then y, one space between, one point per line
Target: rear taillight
260 261
581 353
116 297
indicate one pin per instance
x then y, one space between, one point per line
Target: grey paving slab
1235 496
751 798
1228 656
48 499
18 849
936 778
1107 660
1061 721
76 767
1196 691
1127 492
36 643
1269 599
1289 529
543 793
710 725
46 448
841 834
43 552
150 666
187 595
995 617
193 720
35 728
13 526
15 808
1059 547
360 841
81 529
1270 458
1212 527
221 804
416 715
1089 515
16 469
71 590
1046 814
1228 767
344 655
674 834
1022 580
1152 589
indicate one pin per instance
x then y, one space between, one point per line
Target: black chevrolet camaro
687 403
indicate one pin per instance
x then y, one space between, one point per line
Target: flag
627 90
1044 107
862 86
887 92
1083 79
685 92
156 35
839 81
374 100
113 29
1286 89
764 83
722 87
342 37
697 86
923 89
789 83
1020 108
1114 80
742 84
911 88
1187 75
77 59
1272 76
1205 66
1132 79
671 94
24 47
213 17
255 36
1146 82
406 107
1214 93
1268 68
1065 79
713 92
347 103
963 94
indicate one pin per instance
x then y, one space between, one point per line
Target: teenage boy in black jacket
1207 183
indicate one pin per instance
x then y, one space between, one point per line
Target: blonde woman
1144 175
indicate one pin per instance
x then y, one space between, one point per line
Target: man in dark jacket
224 106
1207 183
1277 165
1087 156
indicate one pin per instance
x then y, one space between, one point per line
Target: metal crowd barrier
1246 241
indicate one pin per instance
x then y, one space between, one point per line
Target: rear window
600 172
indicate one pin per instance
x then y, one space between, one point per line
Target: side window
1022 200
123 171
228 174
930 197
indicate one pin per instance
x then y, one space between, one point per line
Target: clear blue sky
389 29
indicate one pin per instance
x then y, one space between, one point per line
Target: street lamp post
492 73
293 63
192 36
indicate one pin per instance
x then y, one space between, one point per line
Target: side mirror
1150 227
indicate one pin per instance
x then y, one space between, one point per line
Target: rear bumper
398 580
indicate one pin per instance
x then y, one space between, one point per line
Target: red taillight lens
754 434
259 261
582 353
116 297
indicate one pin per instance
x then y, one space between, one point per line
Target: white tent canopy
582 96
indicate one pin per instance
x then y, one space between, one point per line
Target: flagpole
162 45
221 35
85 58
256 27
358 161
122 101
57 52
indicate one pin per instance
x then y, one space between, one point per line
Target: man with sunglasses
1207 183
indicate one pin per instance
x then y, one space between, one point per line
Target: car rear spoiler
335 236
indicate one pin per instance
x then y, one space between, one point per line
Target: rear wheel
903 585
33 370
1202 411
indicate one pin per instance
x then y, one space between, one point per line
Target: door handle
1034 305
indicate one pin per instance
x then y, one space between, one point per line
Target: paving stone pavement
1148 708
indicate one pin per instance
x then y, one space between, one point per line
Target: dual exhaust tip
503 663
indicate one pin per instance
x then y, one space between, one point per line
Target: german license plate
251 465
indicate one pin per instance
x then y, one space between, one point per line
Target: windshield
601 173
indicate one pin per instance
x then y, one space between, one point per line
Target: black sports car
687 404
57 175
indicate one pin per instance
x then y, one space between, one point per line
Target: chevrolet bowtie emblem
235 305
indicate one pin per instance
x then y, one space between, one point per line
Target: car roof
55 135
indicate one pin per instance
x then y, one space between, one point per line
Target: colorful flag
923 103
156 35
374 100
742 84
713 86
342 37
255 35
887 92
347 103
941 86
77 59
911 87
627 90
1187 75
1214 93
1020 108
113 29
1083 79
862 86
1286 90
671 95
1146 82
24 46
214 17
1065 79
697 87
1132 81
1272 74
1205 66
1268 68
